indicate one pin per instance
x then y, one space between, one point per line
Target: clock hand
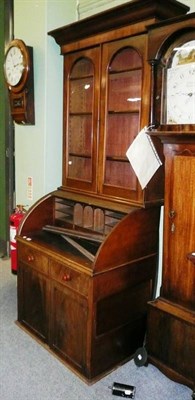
190 94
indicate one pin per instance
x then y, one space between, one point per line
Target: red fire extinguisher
15 220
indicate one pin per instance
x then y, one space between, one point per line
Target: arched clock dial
180 94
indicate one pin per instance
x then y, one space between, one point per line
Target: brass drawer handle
66 277
191 257
30 258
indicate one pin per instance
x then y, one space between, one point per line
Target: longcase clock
171 317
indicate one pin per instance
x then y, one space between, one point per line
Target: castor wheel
140 357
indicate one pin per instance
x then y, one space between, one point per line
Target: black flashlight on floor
120 389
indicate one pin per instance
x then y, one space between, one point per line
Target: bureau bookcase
88 251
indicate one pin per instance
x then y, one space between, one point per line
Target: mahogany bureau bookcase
88 251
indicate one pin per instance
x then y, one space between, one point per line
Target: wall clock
180 85
18 69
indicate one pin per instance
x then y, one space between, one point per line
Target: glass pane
81 95
80 127
125 91
79 168
121 131
120 174
82 68
123 116
127 58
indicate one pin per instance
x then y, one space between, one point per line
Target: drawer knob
191 257
66 277
30 258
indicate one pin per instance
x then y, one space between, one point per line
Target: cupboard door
69 326
33 301
123 73
179 271
80 119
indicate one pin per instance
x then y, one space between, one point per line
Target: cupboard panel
179 272
33 297
69 325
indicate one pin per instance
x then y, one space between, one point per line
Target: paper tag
143 157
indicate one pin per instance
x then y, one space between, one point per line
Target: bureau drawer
69 277
33 257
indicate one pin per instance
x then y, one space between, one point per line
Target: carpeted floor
30 372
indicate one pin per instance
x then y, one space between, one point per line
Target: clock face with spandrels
180 93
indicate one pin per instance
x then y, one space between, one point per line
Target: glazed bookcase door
123 68
80 119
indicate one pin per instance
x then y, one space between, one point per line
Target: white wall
38 148
190 3
89 7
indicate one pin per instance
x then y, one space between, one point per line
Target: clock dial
18 71
184 54
180 93
14 65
